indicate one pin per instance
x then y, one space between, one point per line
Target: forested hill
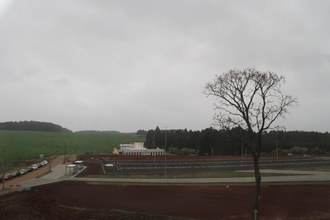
32 126
220 142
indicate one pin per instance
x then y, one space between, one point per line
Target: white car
23 171
44 162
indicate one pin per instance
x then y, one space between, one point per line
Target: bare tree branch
251 101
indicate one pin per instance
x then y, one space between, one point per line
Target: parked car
29 169
23 171
8 176
15 174
35 166
44 162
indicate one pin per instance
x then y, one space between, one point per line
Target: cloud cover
128 65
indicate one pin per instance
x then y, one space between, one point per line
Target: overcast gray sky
128 65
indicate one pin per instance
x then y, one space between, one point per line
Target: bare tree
252 101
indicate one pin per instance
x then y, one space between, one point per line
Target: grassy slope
29 144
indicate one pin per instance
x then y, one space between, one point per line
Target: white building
137 149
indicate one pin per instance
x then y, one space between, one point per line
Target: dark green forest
32 126
211 141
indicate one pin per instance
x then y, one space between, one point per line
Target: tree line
211 141
32 126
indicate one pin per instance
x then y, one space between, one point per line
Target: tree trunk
257 184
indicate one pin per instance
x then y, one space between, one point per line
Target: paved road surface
58 174
292 176
40 175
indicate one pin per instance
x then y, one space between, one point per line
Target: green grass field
22 145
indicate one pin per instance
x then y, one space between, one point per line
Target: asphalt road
286 176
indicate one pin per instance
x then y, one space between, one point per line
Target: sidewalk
57 174
288 176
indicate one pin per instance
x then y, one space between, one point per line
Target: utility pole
165 157
154 140
276 143
64 160
3 168
276 138
49 158
242 149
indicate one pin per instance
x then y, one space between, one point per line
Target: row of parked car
23 171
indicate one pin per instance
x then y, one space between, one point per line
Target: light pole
49 158
3 168
276 138
64 159
242 151
165 154
276 143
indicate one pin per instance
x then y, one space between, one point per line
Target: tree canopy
32 126
251 101
221 142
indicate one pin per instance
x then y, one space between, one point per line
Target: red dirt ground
93 200
80 200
